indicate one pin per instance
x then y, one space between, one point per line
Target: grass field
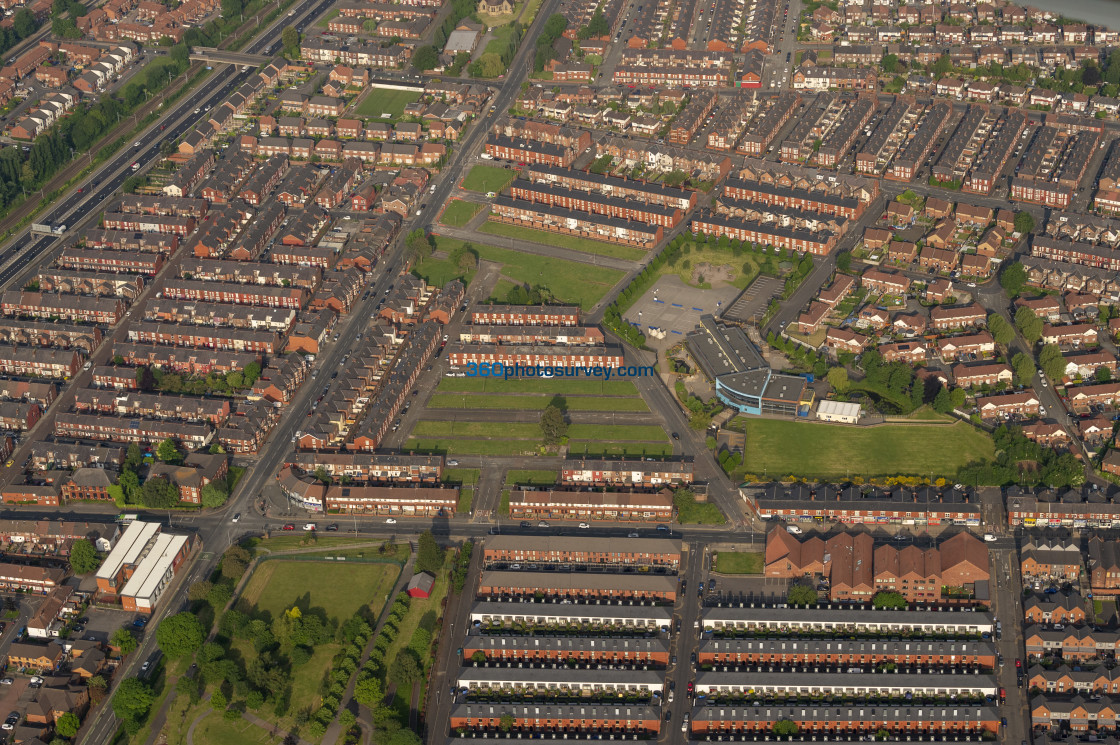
576 243
555 386
439 271
597 449
617 432
380 101
467 476
277 585
825 451
737 562
704 254
528 402
215 730
326 20
526 430
531 478
438 446
487 178
459 213
569 281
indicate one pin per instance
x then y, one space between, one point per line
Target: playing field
459 213
487 178
824 451
339 588
561 240
380 101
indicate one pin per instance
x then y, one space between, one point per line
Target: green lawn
326 20
616 432
528 402
569 281
597 449
824 451
429 428
554 386
744 267
699 513
531 478
380 101
438 272
737 562
459 213
215 730
488 178
277 585
468 476
291 541
576 243
437 446
466 500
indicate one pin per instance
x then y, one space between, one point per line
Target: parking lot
103 622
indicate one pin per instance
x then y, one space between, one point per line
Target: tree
1024 222
888 599
368 691
553 425
132 700
942 66
1013 276
430 555
133 458
844 261
218 700
1053 362
505 724
214 494
957 397
168 452
838 379
425 58
83 557
785 728
419 245
1024 368
889 63
159 493
943 402
199 591
1030 325
405 669
67 725
1103 375
123 640
290 38
801 594
24 23
1000 329
179 635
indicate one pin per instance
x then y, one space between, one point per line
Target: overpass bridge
219 56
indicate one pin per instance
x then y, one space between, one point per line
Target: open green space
744 268
277 585
214 729
438 446
529 402
737 562
466 500
561 240
380 101
568 281
326 20
531 478
691 512
438 271
297 540
459 213
617 432
462 476
779 448
555 386
488 178
597 449
524 430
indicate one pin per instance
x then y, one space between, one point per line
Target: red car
289 526
1018 662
